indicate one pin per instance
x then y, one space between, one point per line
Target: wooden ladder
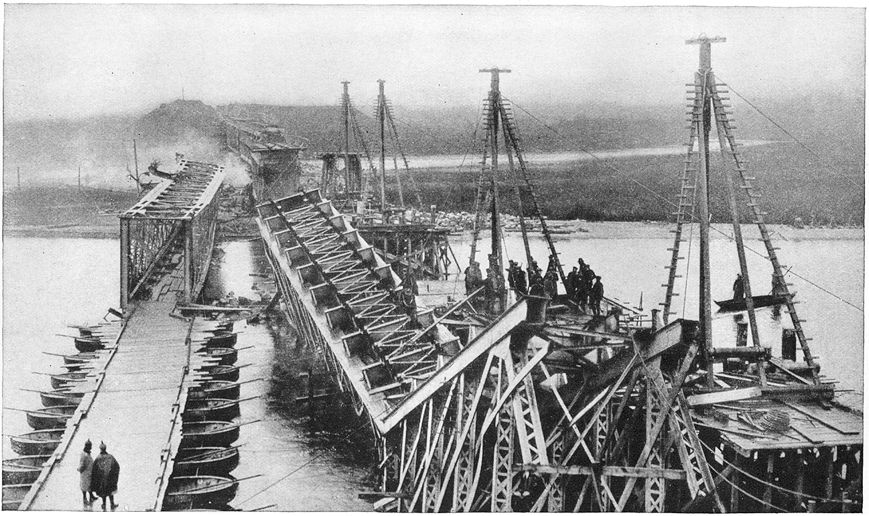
515 141
685 208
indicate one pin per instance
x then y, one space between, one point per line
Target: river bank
106 226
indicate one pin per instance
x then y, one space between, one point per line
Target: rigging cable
782 489
794 138
278 481
668 201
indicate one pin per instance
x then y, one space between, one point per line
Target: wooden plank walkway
134 410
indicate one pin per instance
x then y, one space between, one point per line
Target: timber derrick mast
406 238
536 412
498 122
762 413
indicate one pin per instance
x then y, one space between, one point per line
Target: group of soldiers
582 285
493 286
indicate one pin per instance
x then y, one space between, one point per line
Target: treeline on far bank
794 189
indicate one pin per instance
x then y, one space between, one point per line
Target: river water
557 158
308 461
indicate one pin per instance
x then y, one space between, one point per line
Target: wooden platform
811 426
134 410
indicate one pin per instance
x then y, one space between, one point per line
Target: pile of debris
464 221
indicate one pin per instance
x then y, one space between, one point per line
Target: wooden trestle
495 421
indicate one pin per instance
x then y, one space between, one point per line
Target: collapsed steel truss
171 230
497 422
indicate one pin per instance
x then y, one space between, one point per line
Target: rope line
693 216
794 138
783 489
765 483
749 495
273 484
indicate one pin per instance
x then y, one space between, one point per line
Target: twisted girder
356 293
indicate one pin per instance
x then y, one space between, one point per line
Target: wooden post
734 479
345 101
701 78
800 481
125 262
18 172
381 116
495 101
828 462
705 269
135 161
767 492
741 334
79 178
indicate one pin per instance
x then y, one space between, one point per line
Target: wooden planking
839 427
137 429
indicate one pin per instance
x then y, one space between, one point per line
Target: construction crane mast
499 121
707 110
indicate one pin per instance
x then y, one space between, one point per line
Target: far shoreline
561 230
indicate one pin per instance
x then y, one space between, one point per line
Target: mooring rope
783 489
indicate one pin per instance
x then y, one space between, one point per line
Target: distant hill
50 151
177 120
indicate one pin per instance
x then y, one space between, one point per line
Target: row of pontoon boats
210 425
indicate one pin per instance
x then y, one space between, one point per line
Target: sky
74 60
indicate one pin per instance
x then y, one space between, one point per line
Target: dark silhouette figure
104 476
596 295
738 288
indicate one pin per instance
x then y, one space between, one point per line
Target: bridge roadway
151 356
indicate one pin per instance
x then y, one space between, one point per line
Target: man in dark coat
519 279
550 284
104 476
511 275
570 284
473 278
596 295
738 288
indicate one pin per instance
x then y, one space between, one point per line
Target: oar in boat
206 488
221 449
258 509
59 392
54 354
241 383
82 337
205 369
